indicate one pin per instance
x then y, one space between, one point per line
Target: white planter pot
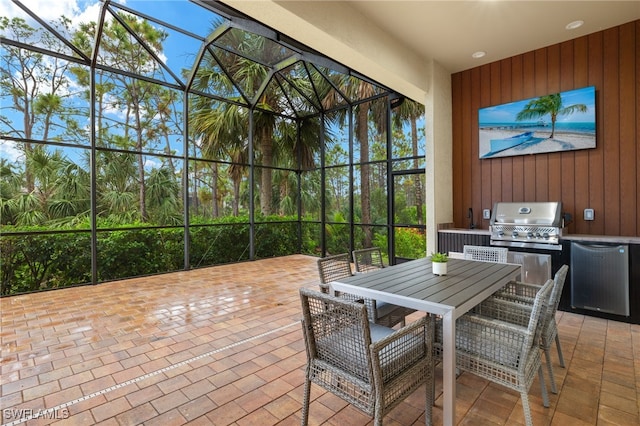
439 268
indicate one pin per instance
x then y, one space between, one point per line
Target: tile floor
223 345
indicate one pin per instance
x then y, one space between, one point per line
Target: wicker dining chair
517 295
372 367
335 267
368 259
501 351
486 253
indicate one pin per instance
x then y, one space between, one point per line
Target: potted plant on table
439 263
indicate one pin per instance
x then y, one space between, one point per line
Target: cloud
151 164
51 10
9 150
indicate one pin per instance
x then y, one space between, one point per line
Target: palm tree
221 129
84 39
411 111
121 50
550 104
163 196
223 126
164 102
116 186
11 181
357 89
70 204
292 140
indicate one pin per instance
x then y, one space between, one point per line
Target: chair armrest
408 346
488 338
472 320
519 291
510 311
492 323
491 340
424 324
372 310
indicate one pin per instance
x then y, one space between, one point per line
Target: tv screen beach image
562 121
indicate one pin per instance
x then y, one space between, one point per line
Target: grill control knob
514 234
538 235
545 235
529 234
500 233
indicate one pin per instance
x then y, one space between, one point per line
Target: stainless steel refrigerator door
600 278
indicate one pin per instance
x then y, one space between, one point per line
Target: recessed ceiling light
478 54
573 25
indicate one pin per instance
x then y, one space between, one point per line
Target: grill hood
534 213
527 224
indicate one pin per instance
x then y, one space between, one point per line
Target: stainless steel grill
534 225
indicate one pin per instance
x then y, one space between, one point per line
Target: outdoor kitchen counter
454 239
466 231
614 239
611 239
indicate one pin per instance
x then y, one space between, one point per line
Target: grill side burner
522 224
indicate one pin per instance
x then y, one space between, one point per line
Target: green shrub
44 261
131 253
40 261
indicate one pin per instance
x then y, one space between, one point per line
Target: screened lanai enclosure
144 137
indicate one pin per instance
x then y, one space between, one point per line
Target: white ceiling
450 31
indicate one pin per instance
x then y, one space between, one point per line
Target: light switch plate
486 214
589 214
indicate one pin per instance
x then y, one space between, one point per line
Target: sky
180 13
506 113
179 49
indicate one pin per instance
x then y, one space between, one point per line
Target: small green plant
439 257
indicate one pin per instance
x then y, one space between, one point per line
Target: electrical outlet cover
486 214
588 214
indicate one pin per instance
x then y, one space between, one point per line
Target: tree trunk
418 180
236 197
28 148
141 179
362 134
214 190
194 200
266 149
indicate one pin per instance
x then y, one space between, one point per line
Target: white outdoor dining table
413 285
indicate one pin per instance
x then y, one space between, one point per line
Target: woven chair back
548 319
486 253
369 259
559 280
332 268
337 332
538 319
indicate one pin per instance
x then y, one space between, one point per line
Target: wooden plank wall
606 179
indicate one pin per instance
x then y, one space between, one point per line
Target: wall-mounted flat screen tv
557 122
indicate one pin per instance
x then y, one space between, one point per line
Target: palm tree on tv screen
550 104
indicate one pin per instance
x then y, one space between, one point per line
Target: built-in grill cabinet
536 225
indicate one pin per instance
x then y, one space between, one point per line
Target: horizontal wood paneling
606 178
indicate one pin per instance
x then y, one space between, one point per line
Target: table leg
449 368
